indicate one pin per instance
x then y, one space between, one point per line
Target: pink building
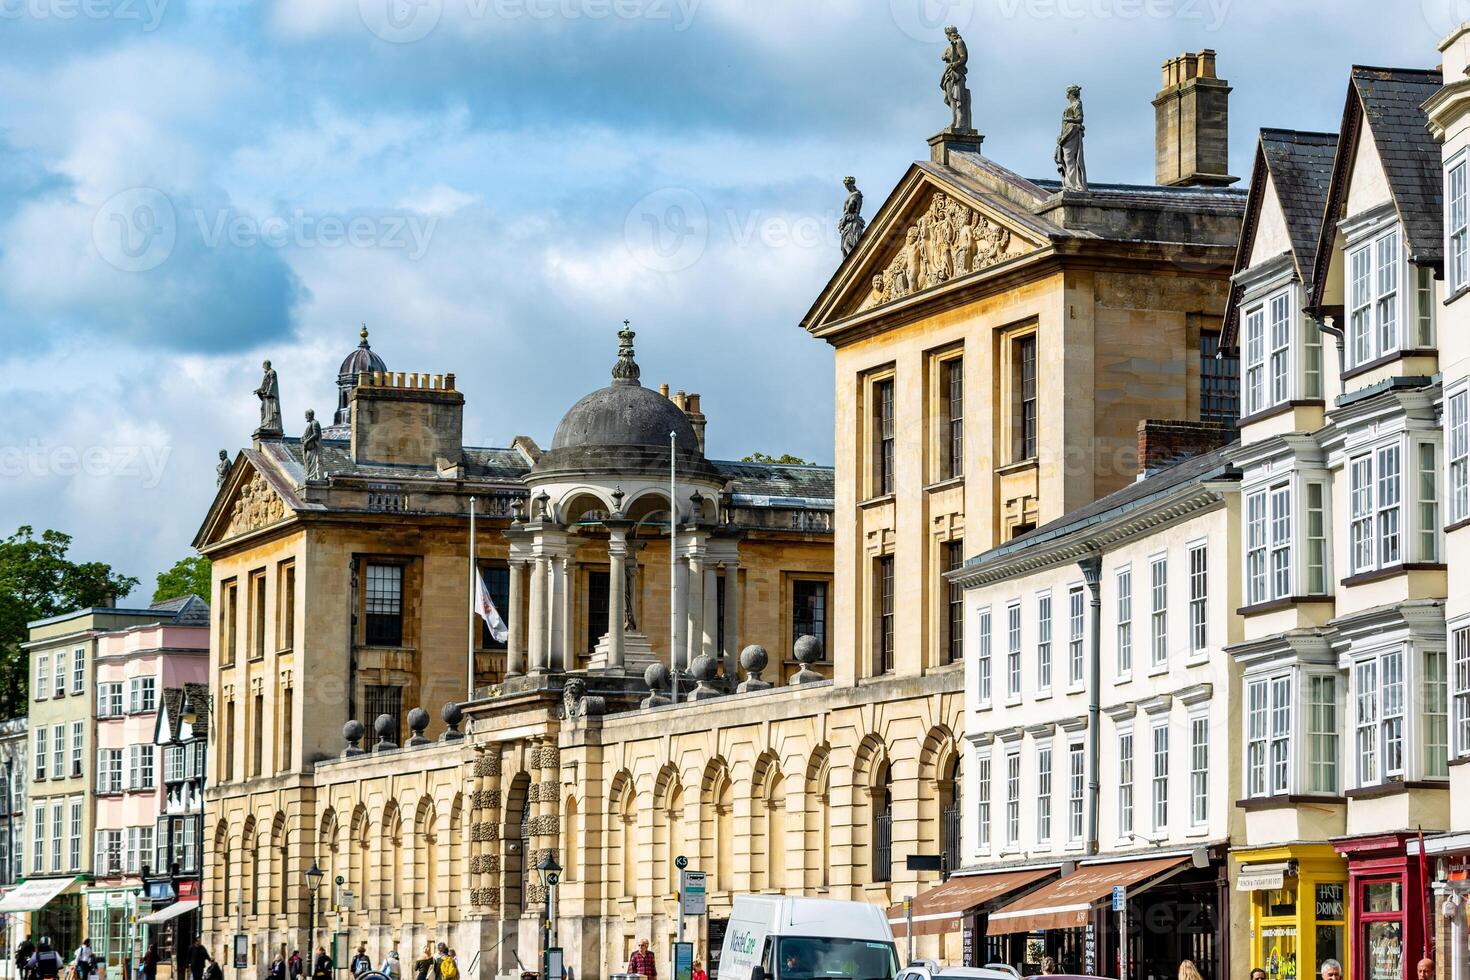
133 667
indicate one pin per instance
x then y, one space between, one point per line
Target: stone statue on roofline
851 224
954 80
311 448
222 468
1070 163
269 394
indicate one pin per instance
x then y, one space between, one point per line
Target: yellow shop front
1299 908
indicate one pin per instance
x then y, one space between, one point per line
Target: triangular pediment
931 233
249 500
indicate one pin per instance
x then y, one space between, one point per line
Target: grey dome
361 359
625 414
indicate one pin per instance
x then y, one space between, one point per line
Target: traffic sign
692 888
1120 898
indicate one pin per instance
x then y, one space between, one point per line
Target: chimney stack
1192 124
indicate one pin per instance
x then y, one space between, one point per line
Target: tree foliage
189 576
785 459
38 580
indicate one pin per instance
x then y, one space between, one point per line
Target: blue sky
189 186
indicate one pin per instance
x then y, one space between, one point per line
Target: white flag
485 606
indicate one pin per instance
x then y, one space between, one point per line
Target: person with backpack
46 963
392 968
361 963
448 968
321 968
294 966
23 954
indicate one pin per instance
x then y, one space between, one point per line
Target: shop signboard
1260 881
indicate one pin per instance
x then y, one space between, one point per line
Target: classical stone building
1059 318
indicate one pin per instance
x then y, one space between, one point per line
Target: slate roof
188 610
480 463
1197 469
173 699
1299 165
753 480
1390 101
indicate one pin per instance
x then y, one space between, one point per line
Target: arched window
629 820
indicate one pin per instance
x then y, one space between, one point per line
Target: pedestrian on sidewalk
1188 971
698 973
423 967
642 961
392 968
360 962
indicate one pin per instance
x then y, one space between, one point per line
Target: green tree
785 459
37 580
189 576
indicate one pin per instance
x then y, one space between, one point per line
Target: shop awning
942 908
35 894
1263 877
169 912
1066 902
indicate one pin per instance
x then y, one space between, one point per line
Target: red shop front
1387 907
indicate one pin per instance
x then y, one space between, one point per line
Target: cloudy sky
188 186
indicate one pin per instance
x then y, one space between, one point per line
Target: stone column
680 572
538 617
711 610
557 633
696 609
731 653
617 549
515 646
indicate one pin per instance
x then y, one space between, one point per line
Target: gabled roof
1299 166
188 610
1390 101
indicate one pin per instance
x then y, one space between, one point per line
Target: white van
773 937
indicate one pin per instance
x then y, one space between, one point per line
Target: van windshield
802 958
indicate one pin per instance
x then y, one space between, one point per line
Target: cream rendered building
1101 741
1343 715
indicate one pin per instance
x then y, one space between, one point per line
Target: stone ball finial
353 732
754 659
386 726
418 720
704 670
453 714
656 676
807 649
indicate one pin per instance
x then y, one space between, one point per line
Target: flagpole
470 639
673 577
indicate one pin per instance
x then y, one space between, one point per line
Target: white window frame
79 670
1123 581
1076 792
40 756
59 675
1199 768
1158 618
1043 644
983 641
1279 316
983 765
1044 772
38 838
74 838
1375 275
1126 782
43 676
1199 599
1076 637
1459 692
1457 454
1013 651
1013 799
58 816
78 737
1253 364
1159 776
1330 732
58 751
1456 226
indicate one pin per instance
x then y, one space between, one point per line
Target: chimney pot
663 390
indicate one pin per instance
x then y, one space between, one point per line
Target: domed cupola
624 427
361 360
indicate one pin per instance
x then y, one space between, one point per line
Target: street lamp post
550 873
314 877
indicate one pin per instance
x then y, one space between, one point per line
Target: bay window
1280 351
1393 743
1373 298
1393 515
1457 431
1284 756
1460 690
1255 361
1457 230
1283 353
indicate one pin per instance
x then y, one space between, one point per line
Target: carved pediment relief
948 239
255 506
